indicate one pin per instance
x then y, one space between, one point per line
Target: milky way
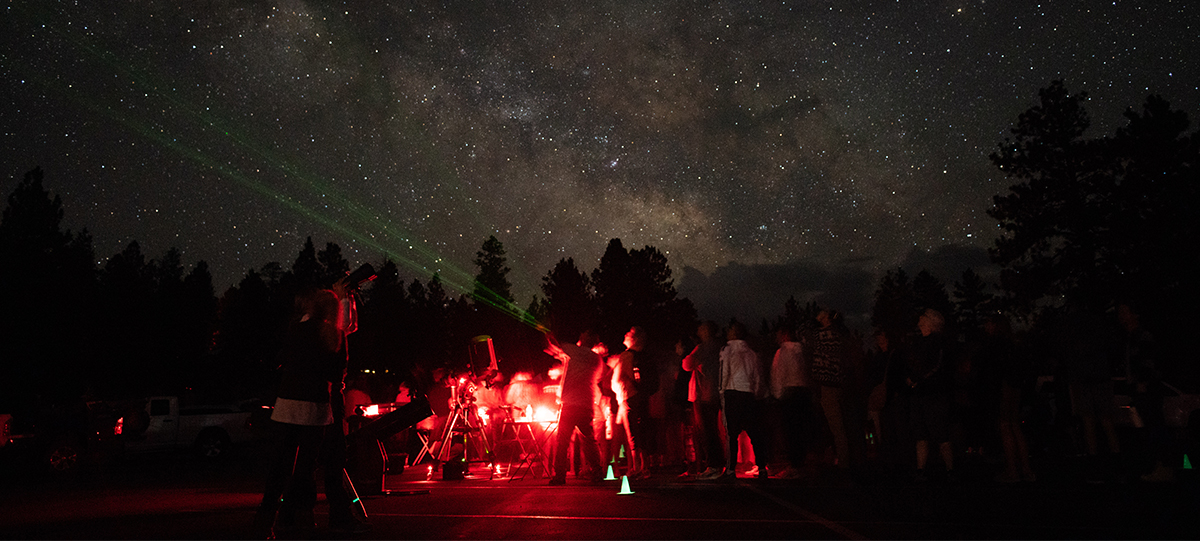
813 134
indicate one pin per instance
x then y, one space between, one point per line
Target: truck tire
63 457
212 443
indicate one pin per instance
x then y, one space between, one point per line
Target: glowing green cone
625 485
1187 464
611 477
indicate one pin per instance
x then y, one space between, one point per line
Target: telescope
360 276
367 457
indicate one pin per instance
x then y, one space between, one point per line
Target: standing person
604 408
875 375
309 365
895 419
1084 356
333 450
1146 380
704 363
581 372
790 385
633 387
931 380
1006 377
677 422
829 362
742 390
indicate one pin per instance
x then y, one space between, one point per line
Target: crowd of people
724 404
914 407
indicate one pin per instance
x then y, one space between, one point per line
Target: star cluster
762 133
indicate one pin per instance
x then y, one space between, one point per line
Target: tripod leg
478 433
443 452
356 504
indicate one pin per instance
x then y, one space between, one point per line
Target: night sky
767 148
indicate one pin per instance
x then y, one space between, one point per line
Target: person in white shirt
791 386
742 390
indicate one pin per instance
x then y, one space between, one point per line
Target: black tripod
464 431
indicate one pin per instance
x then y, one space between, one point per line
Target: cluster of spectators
913 406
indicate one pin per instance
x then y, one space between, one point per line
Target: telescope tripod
464 420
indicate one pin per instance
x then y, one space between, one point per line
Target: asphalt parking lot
176 496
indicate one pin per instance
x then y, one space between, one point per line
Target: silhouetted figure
310 364
634 380
704 363
333 450
791 385
1084 357
895 419
679 415
1007 377
829 363
604 410
930 378
1145 378
581 373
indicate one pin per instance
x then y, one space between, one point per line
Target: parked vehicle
162 422
60 438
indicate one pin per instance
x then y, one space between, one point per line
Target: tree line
1087 223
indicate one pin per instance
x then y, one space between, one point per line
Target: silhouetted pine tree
47 281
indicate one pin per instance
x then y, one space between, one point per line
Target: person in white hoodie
791 386
742 391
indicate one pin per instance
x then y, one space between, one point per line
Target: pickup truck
163 423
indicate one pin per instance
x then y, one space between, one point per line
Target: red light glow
544 415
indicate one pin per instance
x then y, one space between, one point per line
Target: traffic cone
611 477
1187 464
625 485
621 454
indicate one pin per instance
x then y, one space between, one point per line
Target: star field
827 134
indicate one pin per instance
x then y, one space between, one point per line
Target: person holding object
333 451
310 364
581 373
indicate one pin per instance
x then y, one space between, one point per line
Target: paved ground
179 497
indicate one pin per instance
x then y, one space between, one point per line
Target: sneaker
1161 474
792 473
352 525
753 471
710 473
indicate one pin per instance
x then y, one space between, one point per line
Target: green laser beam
206 122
